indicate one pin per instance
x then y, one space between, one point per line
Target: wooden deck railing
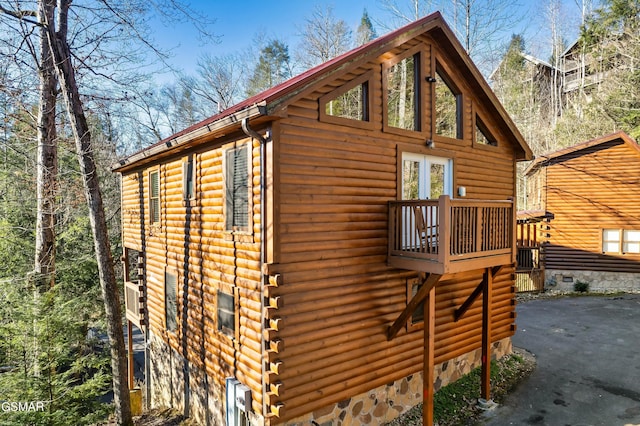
448 235
132 299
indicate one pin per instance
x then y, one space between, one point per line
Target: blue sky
238 21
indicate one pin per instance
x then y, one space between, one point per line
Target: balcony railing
450 235
132 300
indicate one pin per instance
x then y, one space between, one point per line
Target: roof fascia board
198 133
626 139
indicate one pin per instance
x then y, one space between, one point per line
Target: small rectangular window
226 313
154 196
403 94
631 240
237 188
418 314
170 301
188 180
611 241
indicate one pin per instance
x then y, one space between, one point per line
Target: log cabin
308 255
591 190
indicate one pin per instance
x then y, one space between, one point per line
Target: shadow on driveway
588 363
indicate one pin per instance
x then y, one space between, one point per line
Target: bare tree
219 81
324 37
57 39
481 24
47 156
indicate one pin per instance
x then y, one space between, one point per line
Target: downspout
263 246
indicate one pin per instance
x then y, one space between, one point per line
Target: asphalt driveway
588 356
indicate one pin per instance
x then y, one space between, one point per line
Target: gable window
188 178
483 136
349 104
154 196
226 313
448 114
237 188
170 301
403 94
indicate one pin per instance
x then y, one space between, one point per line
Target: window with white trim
621 241
631 241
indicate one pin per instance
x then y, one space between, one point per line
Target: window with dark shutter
188 183
237 189
154 196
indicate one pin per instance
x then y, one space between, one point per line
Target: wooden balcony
450 235
133 298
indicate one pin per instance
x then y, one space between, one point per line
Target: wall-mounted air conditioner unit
238 399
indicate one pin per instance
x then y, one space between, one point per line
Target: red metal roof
300 80
280 92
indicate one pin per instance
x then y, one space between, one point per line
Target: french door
425 177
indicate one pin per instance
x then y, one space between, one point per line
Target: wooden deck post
429 337
486 334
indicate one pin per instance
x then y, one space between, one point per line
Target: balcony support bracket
459 313
428 283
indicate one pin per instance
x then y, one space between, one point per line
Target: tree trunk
47 158
66 76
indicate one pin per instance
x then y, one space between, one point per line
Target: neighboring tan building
277 252
591 190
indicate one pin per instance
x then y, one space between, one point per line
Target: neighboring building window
631 241
611 240
237 188
621 241
483 135
403 94
154 196
448 117
351 105
188 179
170 301
226 313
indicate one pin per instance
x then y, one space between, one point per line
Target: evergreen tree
365 32
273 67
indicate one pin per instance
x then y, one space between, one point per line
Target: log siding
314 296
588 189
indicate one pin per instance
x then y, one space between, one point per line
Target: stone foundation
197 397
599 281
177 384
385 403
